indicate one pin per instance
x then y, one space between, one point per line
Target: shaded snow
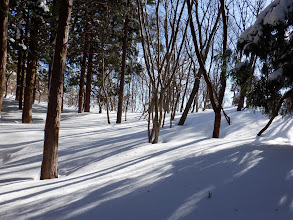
274 75
111 172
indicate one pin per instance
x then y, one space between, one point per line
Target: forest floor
111 172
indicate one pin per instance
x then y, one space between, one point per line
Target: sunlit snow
111 172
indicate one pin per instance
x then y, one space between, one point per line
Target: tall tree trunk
190 100
35 89
18 81
4 7
6 84
122 79
184 93
195 103
241 99
216 104
49 168
52 38
217 124
87 102
82 75
21 82
156 124
31 72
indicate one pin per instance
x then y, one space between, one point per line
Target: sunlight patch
250 160
190 204
283 200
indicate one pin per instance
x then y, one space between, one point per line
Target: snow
274 75
23 46
43 5
12 40
240 66
111 172
274 14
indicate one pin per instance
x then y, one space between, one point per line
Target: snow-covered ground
111 172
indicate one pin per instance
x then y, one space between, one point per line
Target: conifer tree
271 39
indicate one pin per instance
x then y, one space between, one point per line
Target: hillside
111 172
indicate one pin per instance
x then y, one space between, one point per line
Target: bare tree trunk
126 108
49 168
6 84
19 65
195 103
35 89
190 100
30 73
276 111
217 124
87 102
81 82
156 124
21 82
184 93
241 100
122 79
216 104
4 7
18 75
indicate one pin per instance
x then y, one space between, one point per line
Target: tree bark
190 100
30 73
241 99
81 82
87 102
216 104
18 81
217 124
6 84
49 168
21 82
35 89
124 52
276 111
4 7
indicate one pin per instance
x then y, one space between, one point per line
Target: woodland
158 58
146 109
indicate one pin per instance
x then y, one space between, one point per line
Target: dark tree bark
49 168
30 72
190 100
18 81
241 100
87 102
35 89
4 7
276 111
195 103
21 82
122 79
52 39
217 123
216 104
6 84
184 93
81 82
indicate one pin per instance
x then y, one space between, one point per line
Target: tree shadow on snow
243 182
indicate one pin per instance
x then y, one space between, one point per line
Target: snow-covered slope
111 172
